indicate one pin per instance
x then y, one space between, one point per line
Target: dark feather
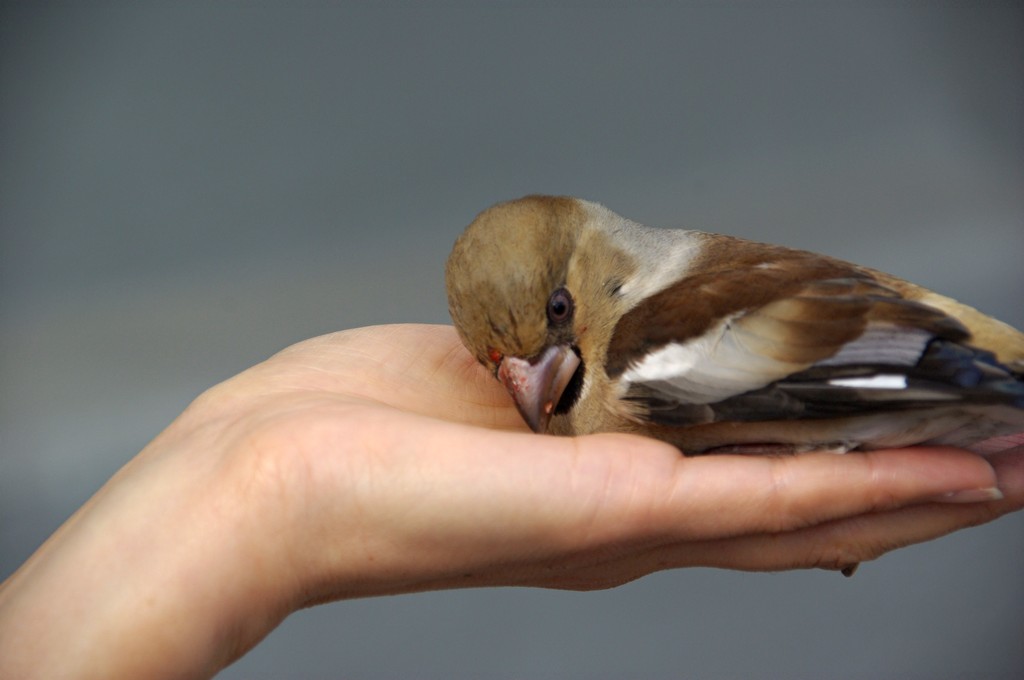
946 372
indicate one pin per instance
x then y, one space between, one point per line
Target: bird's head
508 295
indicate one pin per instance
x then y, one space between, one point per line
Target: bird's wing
804 338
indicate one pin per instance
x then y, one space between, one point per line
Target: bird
717 344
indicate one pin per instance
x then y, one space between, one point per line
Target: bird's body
595 323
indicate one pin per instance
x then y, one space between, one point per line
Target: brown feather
801 305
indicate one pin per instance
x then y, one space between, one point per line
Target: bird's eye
560 307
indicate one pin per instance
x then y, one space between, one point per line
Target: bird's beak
536 386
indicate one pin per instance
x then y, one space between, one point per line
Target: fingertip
1009 467
984 495
942 473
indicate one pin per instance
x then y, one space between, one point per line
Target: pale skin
385 460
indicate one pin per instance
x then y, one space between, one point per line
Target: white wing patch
710 368
882 381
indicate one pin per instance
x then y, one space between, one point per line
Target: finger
562 496
715 497
606 489
832 545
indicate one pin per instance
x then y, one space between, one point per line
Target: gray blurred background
186 188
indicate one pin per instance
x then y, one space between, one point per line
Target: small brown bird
595 323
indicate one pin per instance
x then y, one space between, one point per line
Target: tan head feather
502 270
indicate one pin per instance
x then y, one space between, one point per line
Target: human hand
386 460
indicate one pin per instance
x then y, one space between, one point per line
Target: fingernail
991 493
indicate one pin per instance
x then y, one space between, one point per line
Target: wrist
150 578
